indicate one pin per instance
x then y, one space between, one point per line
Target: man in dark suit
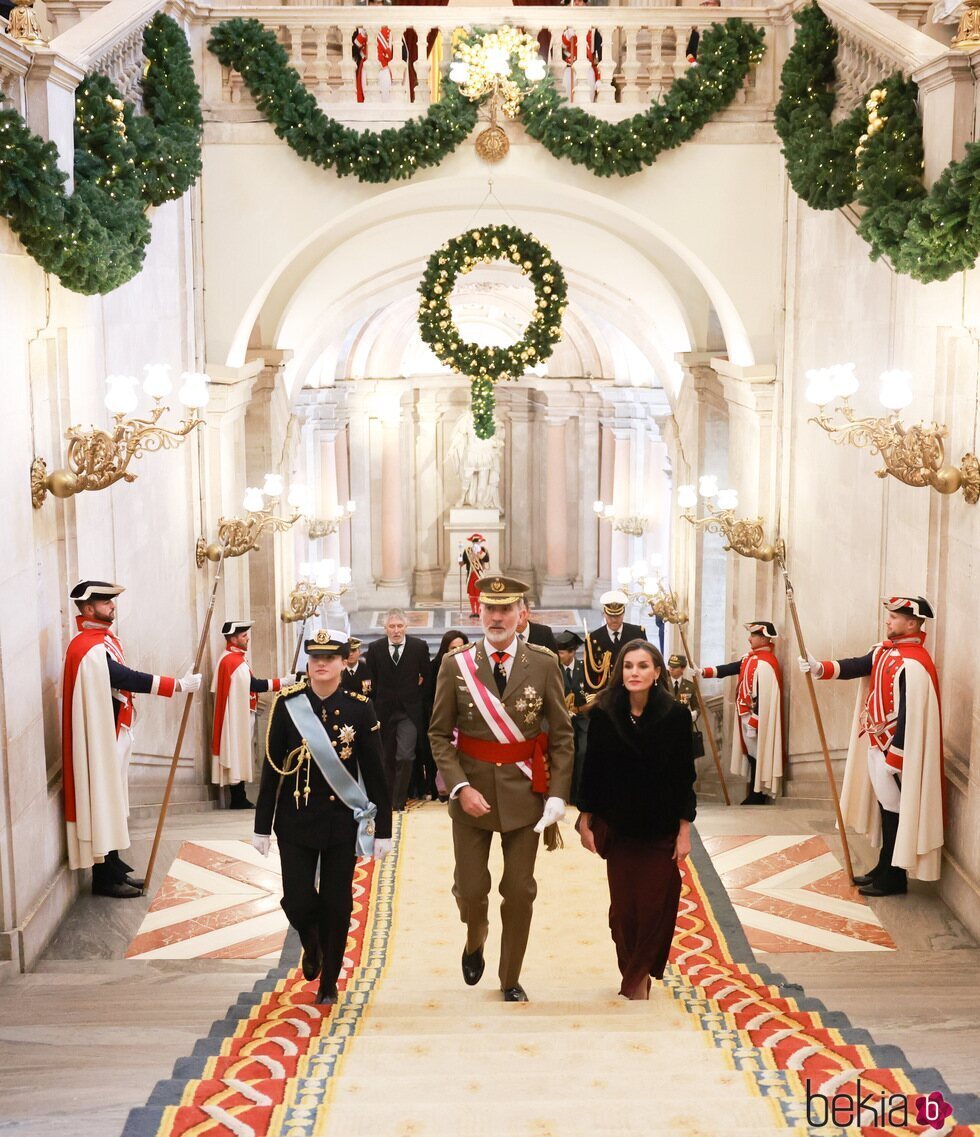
530 631
573 679
606 642
398 669
354 677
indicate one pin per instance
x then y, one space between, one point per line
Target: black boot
884 856
312 960
108 879
888 879
238 798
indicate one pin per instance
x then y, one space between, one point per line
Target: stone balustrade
15 62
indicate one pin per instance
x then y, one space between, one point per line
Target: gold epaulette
540 647
462 647
292 689
356 695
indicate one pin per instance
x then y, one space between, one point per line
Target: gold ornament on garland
486 365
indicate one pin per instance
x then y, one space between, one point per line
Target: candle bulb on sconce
97 458
633 526
742 535
326 527
914 455
237 536
319 581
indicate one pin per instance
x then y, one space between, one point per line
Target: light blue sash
350 792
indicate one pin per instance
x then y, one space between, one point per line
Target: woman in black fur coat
637 804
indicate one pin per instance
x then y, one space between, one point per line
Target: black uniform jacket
397 688
324 820
357 681
541 635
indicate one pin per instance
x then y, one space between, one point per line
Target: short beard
498 638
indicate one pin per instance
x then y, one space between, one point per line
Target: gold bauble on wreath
492 144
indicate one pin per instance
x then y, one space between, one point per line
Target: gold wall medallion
492 144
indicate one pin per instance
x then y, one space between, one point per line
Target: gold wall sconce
632 526
326 528
317 582
97 458
915 455
743 536
240 535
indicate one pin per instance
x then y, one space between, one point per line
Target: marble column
428 575
606 470
556 512
266 424
392 585
519 538
588 463
360 527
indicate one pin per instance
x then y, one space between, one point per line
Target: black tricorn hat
916 606
234 627
568 640
94 590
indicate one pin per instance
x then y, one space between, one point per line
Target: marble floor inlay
219 900
791 895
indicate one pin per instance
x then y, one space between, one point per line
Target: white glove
285 680
189 683
382 847
698 671
811 664
554 811
261 843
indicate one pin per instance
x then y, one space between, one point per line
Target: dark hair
447 639
615 696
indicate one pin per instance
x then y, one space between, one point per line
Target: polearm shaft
788 584
707 722
299 644
183 726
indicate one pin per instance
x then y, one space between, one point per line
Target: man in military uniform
355 676
97 718
680 686
236 698
573 679
893 776
603 645
757 746
504 772
323 745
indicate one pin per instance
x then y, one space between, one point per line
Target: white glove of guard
382 847
261 843
811 664
698 671
554 811
189 682
285 680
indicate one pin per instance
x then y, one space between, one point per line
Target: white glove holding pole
812 665
189 683
382 847
554 811
261 843
286 680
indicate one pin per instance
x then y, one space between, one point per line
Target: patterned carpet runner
724 1045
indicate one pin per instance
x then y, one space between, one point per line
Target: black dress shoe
134 881
515 994
118 889
755 799
312 959
884 889
864 878
327 994
473 965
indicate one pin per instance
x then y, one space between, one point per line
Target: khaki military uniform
686 693
535 700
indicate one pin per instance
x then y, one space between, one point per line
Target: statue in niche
476 462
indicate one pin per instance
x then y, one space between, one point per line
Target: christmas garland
96 239
371 156
874 158
726 53
486 365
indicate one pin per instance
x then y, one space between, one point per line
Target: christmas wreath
485 365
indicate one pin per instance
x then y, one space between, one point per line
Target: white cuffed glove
261 843
698 671
285 680
189 682
811 664
382 847
554 811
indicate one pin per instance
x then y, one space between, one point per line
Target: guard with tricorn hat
323 793
893 777
757 745
236 695
97 719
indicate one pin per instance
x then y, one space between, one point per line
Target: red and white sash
492 710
